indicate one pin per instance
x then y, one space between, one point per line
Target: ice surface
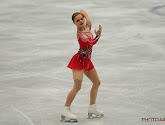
38 39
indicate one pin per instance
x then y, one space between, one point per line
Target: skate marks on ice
27 114
17 116
158 10
23 114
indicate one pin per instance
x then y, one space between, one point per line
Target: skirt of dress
74 64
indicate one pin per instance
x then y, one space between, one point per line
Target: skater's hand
98 31
88 24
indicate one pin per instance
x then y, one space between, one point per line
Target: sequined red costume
82 59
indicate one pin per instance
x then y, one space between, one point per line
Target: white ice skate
94 112
67 115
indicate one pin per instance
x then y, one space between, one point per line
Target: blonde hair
75 14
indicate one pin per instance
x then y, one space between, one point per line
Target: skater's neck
81 29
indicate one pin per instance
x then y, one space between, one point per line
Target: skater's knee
77 88
97 84
77 84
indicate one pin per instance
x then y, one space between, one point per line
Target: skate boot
67 115
94 112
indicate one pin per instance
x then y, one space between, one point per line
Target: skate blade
64 119
91 115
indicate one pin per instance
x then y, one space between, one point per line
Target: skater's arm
89 40
88 23
93 41
84 14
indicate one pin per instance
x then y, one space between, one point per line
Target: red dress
82 59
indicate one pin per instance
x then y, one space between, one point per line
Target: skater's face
79 20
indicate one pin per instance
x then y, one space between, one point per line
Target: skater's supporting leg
77 77
73 92
93 76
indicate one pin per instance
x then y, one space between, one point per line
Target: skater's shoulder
83 36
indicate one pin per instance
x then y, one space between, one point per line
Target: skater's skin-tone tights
78 78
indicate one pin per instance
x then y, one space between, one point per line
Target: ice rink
38 39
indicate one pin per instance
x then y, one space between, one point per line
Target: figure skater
81 63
